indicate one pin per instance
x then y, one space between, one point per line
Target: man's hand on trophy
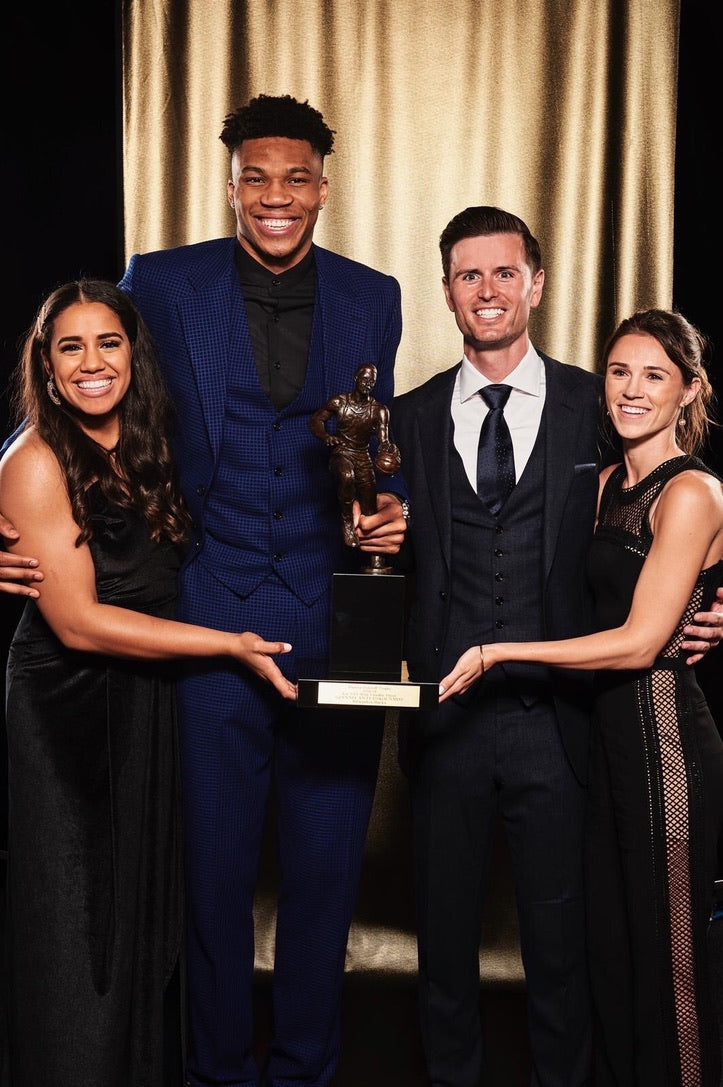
383 530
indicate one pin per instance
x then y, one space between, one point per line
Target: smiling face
90 361
491 290
276 190
644 389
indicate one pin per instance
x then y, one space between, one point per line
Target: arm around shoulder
19 573
688 537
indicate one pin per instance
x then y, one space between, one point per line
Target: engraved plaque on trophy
367 608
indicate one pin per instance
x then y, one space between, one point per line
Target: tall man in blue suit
516 744
255 333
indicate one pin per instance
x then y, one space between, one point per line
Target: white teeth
628 409
101 383
489 312
276 224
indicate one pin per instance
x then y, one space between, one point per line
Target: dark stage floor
381 1048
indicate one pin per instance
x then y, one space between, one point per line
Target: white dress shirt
523 410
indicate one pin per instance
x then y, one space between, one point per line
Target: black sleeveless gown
655 811
94 910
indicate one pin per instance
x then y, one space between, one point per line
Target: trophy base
367 627
365 694
365 649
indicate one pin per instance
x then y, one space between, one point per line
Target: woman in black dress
94 917
655 801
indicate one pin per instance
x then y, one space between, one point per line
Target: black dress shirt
279 310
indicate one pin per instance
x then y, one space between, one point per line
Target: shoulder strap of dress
611 488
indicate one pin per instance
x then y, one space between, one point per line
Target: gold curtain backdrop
562 111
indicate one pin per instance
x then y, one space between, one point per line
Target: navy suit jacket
421 423
192 302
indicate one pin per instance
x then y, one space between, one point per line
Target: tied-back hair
144 476
687 347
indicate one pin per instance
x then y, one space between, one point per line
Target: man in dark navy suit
255 332
506 564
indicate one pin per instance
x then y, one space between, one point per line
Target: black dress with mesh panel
655 811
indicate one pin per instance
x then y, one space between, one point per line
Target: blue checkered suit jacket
191 300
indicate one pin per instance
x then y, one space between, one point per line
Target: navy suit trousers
239 739
495 759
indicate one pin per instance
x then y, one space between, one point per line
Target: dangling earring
681 418
53 392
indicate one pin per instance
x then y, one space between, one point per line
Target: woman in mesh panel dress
655 803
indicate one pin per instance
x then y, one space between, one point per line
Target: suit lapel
215 329
563 422
434 435
338 330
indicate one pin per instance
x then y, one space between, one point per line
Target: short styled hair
478 221
282 115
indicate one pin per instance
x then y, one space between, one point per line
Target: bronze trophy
367 609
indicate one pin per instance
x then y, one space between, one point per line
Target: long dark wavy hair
141 475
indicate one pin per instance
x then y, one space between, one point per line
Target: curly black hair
267 115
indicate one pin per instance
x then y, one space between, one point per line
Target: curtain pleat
562 112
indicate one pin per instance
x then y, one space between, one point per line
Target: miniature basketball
388 459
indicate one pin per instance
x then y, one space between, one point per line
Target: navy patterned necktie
495 457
